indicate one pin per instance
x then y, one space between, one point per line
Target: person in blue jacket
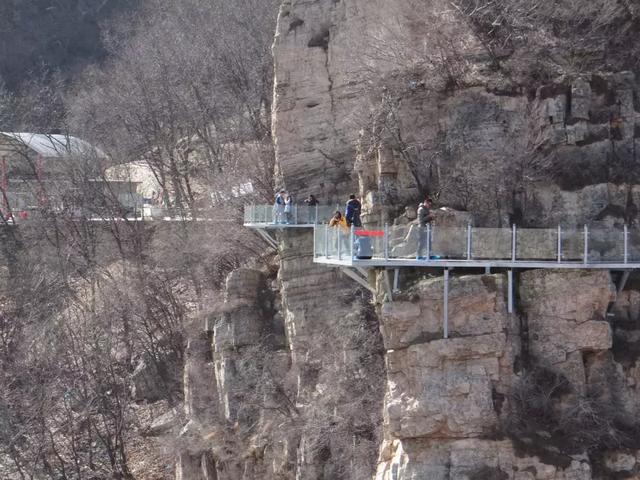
352 211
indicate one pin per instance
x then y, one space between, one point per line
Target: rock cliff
533 121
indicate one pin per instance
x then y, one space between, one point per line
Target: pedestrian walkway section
265 219
448 248
300 216
434 246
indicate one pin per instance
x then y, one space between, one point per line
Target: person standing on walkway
340 222
424 219
311 201
311 212
352 211
278 207
340 233
288 209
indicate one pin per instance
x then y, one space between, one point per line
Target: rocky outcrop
440 390
566 317
451 402
397 100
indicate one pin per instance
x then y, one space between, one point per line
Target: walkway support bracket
623 281
267 238
360 280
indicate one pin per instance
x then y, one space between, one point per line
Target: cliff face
397 99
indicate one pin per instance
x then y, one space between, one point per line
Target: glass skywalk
300 216
478 247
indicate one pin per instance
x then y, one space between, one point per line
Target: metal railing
435 243
258 215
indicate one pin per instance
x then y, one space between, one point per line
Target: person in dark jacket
352 212
424 219
311 201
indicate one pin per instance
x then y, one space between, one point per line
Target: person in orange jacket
338 220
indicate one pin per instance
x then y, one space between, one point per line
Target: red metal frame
369 233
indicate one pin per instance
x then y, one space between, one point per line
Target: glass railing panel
537 244
634 245
325 212
403 241
331 242
318 242
572 245
449 242
491 243
306 215
606 245
298 215
337 243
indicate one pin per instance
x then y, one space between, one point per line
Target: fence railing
295 215
559 245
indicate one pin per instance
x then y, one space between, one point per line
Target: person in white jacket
288 209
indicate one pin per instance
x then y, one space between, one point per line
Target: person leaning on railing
340 222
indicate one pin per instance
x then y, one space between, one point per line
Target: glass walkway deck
478 247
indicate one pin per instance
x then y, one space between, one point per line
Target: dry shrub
549 419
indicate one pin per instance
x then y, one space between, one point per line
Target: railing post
295 214
559 244
626 244
513 242
326 240
385 241
339 234
316 220
352 238
586 244
428 241
469 242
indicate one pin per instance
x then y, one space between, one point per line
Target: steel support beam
623 281
354 276
387 286
267 238
396 279
510 307
445 309
362 271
